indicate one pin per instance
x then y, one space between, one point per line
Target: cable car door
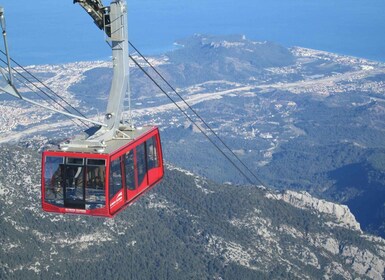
74 192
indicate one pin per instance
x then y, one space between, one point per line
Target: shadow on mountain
362 188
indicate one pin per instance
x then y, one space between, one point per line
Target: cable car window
141 162
95 184
92 161
53 180
74 185
152 156
130 170
115 177
75 161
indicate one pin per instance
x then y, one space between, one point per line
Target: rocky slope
185 228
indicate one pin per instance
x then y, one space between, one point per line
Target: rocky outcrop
304 200
359 259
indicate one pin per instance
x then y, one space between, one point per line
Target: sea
58 31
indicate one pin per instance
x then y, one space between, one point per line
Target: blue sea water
47 31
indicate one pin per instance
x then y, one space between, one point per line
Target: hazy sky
51 31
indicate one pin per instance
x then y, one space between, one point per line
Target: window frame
112 191
141 176
152 161
134 170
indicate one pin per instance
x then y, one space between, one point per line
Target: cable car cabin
96 183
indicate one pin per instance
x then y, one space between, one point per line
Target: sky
58 31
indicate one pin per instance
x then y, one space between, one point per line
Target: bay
57 31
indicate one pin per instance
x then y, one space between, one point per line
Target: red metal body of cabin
102 184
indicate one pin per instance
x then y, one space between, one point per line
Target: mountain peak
230 51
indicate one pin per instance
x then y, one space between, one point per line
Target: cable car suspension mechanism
113 20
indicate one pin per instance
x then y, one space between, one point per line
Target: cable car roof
111 146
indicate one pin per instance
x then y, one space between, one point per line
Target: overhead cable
199 117
190 119
45 86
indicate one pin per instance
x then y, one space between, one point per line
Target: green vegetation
168 234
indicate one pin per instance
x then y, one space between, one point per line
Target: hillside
302 119
185 228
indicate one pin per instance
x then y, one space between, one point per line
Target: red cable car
102 183
106 169
111 164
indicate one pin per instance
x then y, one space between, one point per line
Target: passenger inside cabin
116 178
98 183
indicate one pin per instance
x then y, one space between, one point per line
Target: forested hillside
185 228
